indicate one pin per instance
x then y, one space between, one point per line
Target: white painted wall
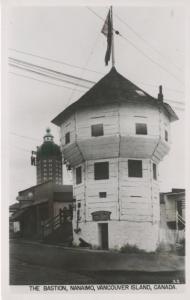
119 137
133 202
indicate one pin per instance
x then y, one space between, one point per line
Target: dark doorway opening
103 234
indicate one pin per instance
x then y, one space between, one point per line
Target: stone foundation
144 235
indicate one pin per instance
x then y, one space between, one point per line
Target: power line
165 87
21 62
137 48
24 136
54 60
47 72
152 60
22 149
95 13
145 41
29 77
80 91
82 72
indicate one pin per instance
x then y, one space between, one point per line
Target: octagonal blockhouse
114 137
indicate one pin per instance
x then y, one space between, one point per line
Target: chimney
160 94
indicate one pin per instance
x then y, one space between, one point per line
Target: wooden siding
132 199
132 113
119 139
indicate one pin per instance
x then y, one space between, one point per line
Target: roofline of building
43 183
77 104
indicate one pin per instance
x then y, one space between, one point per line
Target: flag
107 31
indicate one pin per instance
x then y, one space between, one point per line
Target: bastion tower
113 138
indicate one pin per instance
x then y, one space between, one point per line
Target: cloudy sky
69 40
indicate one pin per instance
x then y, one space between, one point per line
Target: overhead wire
70 76
47 82
27 66
54 60
76 90
149 58
83 70
66 87
137 48
145 41
24 136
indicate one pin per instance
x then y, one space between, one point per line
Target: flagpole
113 52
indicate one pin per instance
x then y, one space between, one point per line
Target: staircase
180 221
58 229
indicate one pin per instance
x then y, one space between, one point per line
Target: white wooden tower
113 138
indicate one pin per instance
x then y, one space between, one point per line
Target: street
38 264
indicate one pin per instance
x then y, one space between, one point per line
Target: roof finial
48 130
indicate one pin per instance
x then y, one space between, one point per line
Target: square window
67 138
154 171
101 170
141 128
78 175
102 194
79 205
97 130
134 168
166 135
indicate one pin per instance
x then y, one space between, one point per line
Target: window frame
67 139
132 172
140 130
93 129
98 172
78 177
166 135
154 171
102 195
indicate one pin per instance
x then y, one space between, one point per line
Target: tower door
103 235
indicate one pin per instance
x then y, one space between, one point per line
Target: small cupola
48 137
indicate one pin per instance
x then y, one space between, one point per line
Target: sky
151 53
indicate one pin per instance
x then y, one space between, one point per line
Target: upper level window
154 171
135 168
97 130
141 128
166 135
67 138
102 194
78 175
101 170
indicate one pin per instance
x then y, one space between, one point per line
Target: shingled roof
112 88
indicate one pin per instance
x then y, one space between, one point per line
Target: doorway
103 235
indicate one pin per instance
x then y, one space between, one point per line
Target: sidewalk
75 259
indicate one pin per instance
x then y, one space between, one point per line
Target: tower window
78 175
101 170
154 171
166 135
134 168
141 128
102 194
97 130
67 138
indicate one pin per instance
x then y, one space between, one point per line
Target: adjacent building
114 138
48 160
43 208
172 217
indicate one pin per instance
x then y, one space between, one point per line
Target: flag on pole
107 31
